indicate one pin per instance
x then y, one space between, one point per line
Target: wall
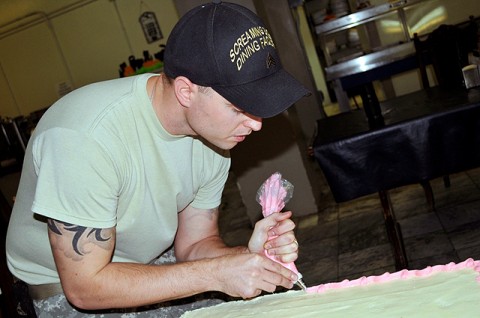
68 44
311 52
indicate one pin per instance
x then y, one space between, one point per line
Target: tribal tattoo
81 235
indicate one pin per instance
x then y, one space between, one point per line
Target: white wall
76 43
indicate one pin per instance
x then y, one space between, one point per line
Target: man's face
220 122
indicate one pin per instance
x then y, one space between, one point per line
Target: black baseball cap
227 47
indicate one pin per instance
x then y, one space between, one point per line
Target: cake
451 290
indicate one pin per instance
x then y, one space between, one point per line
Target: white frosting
451 292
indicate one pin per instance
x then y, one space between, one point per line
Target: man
118 171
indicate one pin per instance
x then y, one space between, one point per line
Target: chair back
12 145
446 48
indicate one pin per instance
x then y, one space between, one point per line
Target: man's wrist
241 250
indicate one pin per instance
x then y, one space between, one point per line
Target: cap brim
265 97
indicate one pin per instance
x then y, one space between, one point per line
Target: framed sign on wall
150 27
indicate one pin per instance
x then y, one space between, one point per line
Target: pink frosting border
403 274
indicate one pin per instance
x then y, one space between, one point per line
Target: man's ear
184 90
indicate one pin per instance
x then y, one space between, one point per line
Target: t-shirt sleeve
77 180
216 168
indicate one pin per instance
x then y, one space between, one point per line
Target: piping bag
272 195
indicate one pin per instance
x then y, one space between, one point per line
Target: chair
446 49
12 146
14 300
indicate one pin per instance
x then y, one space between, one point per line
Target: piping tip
301 284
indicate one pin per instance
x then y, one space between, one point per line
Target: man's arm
198 236
91 281
250 273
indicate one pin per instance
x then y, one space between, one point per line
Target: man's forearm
123 285
209 248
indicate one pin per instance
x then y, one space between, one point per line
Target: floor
349 240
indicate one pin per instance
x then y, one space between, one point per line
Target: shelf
370 61
361 17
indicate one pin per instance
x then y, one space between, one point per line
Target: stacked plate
339 7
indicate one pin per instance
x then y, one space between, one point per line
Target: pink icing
403 274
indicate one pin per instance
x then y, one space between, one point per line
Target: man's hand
239 272
282 244
247 275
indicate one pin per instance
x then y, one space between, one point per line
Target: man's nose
254 123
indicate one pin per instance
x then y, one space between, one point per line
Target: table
424 135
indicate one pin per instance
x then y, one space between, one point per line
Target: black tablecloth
426 134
